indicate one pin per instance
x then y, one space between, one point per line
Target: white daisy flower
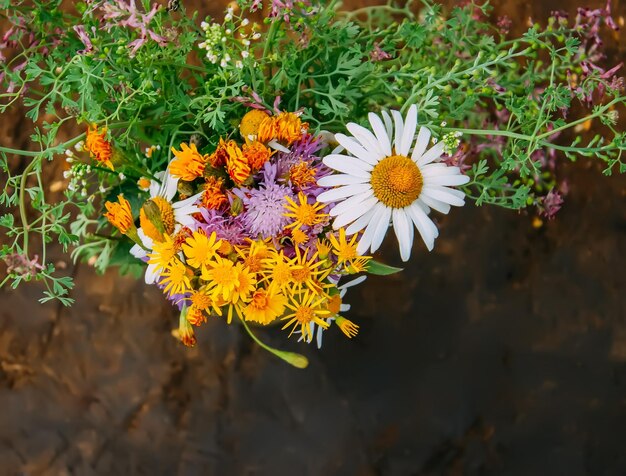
318 331
389 179
174 216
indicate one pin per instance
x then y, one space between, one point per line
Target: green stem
22 206
297 360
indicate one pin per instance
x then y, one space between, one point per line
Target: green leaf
381 269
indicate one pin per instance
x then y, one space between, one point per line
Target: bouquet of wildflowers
250 167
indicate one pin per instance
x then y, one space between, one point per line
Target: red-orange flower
256 154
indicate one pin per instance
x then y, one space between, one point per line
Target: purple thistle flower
264 207
227 228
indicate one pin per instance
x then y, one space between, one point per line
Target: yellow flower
323 248
163 252
189 163
265 306
349 328
201 249
98 147
278 270
309 273
222 278
344 250
200 302
246 284
253 255
306 309
250 123
357 265
303 213
120 215
299 237
175 277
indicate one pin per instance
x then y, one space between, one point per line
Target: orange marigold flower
256 154
220 156
214 197
285 127
120 215
189 163
302 174
98 147
236 164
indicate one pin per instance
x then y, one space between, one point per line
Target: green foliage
165 88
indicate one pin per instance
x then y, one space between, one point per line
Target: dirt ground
502 352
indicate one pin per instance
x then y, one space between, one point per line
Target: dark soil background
503 352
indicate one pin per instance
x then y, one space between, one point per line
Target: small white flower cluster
217 35
77 175
213 38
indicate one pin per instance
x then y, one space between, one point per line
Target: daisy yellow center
224 276
167 214
397 181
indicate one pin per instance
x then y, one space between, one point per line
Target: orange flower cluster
98 147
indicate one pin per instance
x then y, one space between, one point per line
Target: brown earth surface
502 352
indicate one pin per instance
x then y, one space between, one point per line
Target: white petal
366 138
349 284
436 169
445 195
401 227
388 123
348 165
449 180
399 126
152 273
320 332
381 229
409 131
344 191
186 219
274 144
433 153
154 188
421 143
352 202
435 204
366 238
169 186
187 202
423 224
357 149
339 179
354 213
381 134
360 223
138 252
